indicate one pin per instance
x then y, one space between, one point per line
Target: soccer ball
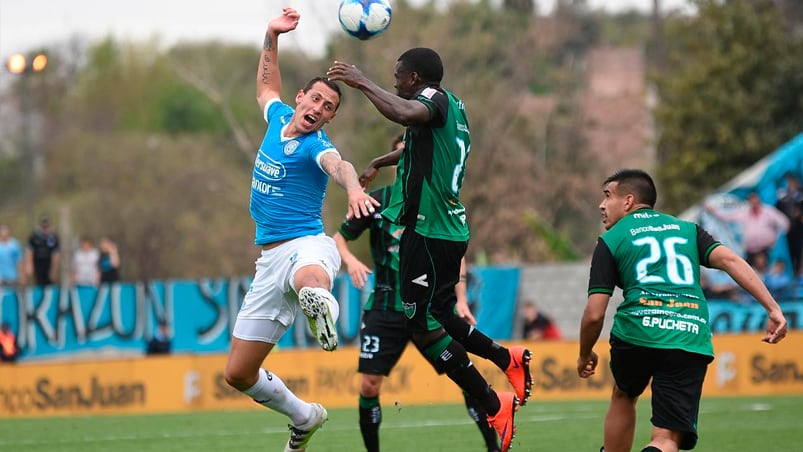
364 19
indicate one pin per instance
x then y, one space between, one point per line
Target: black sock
471 381
370 418
651 449
480 417
477 343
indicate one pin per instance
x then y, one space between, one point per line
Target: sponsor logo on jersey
421 280
429 92
269 168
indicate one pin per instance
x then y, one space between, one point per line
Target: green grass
726 424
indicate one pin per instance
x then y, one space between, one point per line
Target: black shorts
383 338
428 271
677 383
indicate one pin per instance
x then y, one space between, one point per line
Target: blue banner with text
54 321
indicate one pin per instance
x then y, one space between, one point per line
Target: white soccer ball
364 19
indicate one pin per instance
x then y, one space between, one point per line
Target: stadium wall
187 383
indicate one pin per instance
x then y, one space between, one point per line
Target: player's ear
299 96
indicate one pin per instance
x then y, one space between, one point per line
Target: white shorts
272 295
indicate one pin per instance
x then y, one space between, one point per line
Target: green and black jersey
431 168
655 258
384 237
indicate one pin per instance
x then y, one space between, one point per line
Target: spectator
9 348
42 256
761 224
718 285
538 326
109 261
790 202
85 264
779 281
12 270
160 342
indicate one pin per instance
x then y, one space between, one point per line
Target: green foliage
732 96
14 173
181 110
155 146
628 29
559 248
167 201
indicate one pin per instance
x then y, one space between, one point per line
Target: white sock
334 308
270 391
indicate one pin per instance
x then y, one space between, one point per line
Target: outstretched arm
360 203
725 259
399 110
389 159
269 80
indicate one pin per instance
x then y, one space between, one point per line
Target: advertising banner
184 383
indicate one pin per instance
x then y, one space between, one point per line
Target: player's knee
370 385
456 327
311 276
619 395
239 380
444 353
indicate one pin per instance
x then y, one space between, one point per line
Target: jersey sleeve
353 228
705 244
603 276
274 109
437 102
323 147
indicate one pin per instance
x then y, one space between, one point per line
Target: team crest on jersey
290 147
409 309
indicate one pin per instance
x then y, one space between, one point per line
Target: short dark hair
637 182
330 83
425 62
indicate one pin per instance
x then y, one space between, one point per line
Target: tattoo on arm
266 69
267 47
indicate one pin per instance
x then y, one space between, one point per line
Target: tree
731 95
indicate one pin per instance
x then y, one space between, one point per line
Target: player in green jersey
660 331
427 203
383 332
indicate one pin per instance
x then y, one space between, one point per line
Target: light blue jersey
10 257
288 184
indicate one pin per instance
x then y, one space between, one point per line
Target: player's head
626 191
317 103
416 68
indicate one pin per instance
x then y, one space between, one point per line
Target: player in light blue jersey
298 262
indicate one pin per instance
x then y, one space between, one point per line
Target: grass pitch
726 424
